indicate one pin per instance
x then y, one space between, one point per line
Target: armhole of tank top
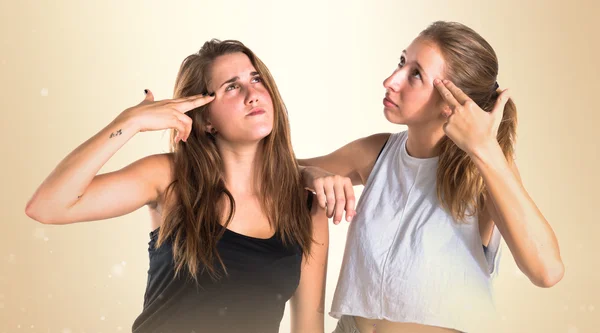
492 251
390 138
382 148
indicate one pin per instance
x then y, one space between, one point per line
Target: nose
393 82
251 95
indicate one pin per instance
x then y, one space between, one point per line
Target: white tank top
407 259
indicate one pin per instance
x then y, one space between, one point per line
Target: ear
208 127
446 111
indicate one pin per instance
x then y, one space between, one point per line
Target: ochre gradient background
67 68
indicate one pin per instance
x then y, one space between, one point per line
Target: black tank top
263 274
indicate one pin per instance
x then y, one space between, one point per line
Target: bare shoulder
157 170
374 143
368 148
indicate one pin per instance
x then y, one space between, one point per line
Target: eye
402 62
231 87
257 79
416 74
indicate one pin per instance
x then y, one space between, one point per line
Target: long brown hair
472 65
193 219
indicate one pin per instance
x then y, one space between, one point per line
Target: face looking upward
411 98
242 111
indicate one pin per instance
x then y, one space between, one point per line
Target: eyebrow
418 65
235 78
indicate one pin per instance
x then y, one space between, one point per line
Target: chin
393 117
261 133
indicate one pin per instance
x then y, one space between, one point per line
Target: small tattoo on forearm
112 135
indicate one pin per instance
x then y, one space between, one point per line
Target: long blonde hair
472 65
193 221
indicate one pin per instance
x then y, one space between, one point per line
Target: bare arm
332 176
73 192
308 302
528 235
354 160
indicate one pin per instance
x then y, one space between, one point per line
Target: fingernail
445 81
436 81
146 91
350 218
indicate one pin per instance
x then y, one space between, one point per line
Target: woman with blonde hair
423 244
233 233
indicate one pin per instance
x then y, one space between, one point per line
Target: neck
241 163
424 142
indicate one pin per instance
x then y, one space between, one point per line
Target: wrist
486 153
127 122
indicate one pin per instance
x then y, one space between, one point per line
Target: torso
372 297
262 271
249 218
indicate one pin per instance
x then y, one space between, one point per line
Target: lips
256 112
389 103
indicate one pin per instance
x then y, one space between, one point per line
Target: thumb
501 102
149 96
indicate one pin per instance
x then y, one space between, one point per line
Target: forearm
69 180
337 166
527 233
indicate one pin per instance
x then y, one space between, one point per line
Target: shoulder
158 170
375 142
159 167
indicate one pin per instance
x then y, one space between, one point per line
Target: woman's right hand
165 114
334 192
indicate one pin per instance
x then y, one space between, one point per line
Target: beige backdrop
67 68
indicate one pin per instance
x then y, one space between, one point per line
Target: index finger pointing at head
460 96
446 94
185 106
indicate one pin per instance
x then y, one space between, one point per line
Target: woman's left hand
468 126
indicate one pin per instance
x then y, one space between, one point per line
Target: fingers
192 103
458 94
349 194
502 100
446 94
182 124
498 110
149 96
330 196
340 201
320 192
336 195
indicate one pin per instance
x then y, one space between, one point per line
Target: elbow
550 276
37 213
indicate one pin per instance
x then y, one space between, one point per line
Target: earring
213 131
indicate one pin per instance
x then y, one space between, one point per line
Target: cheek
264 95
218 112
416 97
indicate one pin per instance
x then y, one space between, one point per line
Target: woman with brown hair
423 244
233 233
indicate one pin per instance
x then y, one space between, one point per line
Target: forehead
228 66
428 55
